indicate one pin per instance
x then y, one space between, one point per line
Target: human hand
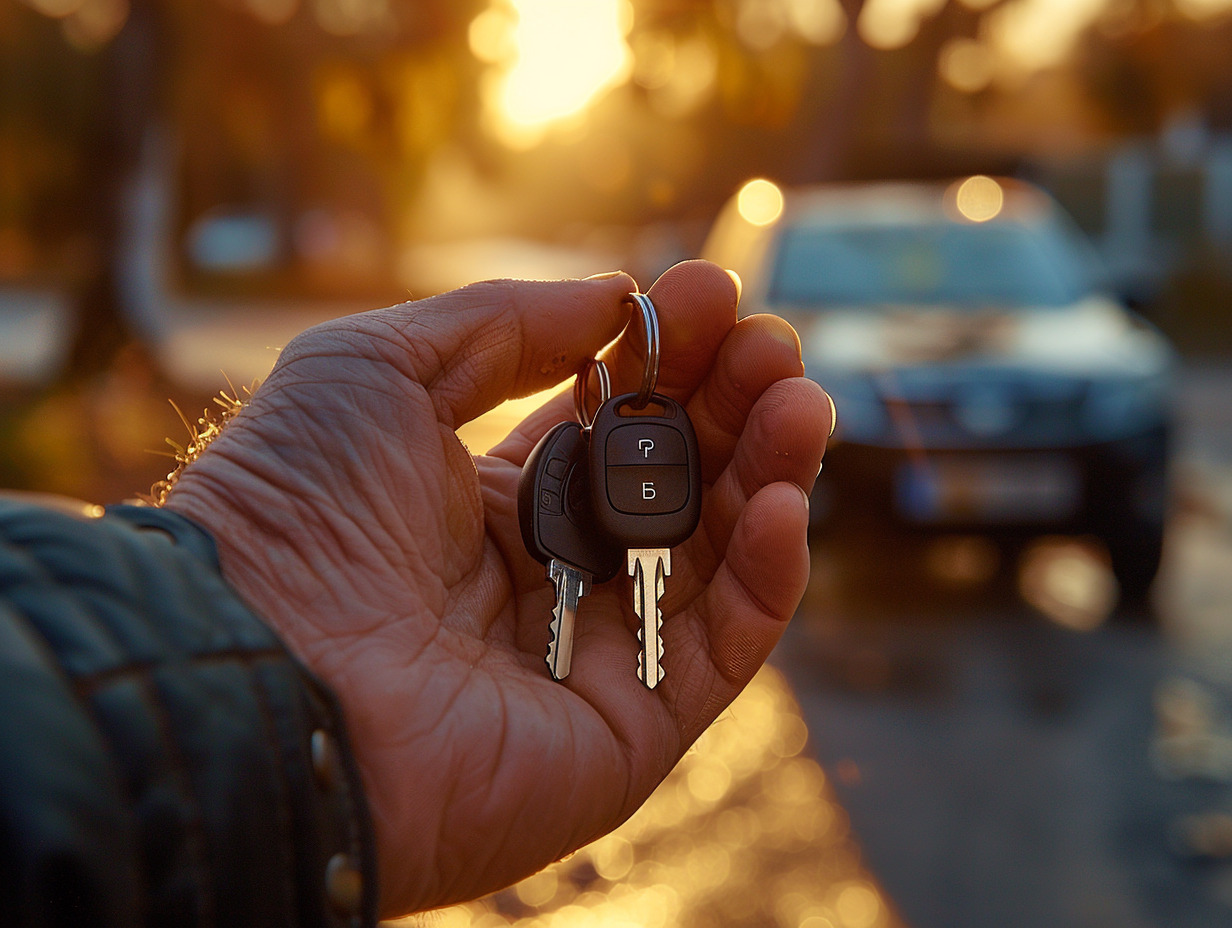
390 559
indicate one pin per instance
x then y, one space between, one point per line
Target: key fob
554 506
645 475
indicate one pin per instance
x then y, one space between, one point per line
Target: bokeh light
979 198
967 64
760 202
1068 582
889 24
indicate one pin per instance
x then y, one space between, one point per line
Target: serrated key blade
649 567
571 585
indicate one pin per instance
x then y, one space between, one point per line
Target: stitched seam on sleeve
197 844
285 817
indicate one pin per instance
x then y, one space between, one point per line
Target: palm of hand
430 620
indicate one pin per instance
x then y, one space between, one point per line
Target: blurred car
986 380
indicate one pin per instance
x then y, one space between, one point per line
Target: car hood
1095 337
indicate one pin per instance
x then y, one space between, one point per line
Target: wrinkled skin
389 558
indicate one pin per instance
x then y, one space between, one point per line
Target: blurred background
991 730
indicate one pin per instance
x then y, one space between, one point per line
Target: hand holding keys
628 480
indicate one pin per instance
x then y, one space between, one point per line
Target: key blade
649 567
571 585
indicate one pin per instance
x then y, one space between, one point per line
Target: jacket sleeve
164 760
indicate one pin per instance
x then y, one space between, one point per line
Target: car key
554 509
646 491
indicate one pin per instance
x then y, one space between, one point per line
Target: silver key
649 568
554 508
571 585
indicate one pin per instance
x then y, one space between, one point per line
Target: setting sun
551 60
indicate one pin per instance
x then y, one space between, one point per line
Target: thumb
488 342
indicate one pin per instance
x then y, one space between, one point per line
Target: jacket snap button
324 759
344 885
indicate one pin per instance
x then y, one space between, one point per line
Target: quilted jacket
164 760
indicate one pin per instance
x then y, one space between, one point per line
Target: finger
783 442
695 302
759 584
478 346
758 352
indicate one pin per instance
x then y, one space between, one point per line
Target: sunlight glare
565 55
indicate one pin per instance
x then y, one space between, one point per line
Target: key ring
650 326
579 390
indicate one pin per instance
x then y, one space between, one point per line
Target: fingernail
833 413
804 494
608 276
739 284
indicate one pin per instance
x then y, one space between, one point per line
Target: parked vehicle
986 378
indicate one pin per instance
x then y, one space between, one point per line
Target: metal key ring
650 325
579 390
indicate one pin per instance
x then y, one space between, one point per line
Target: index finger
495 340
695 302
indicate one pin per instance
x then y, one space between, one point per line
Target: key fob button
550 502
648 489
646 443
556 467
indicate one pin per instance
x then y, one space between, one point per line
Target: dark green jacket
163 758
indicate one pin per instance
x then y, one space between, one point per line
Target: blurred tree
122 156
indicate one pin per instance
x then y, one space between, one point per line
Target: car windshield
953 264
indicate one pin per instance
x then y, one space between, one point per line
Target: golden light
1204 9
857 906
94 23
890 24
1066 581
767 845
760 202
679 72
273 12
56 8
979 198
1030 35
351 17
821 22
760 24
553 59
967 64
